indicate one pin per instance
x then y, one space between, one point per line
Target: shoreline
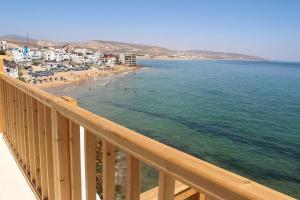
77 77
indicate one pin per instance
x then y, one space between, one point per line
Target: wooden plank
30 138
75 165
25 131
36 144
13 114
133 178
42 150
61 156
20 124
7 117
166 187
16 123
181 192
2 129
190 193
108 170
3 108
90 165
49 152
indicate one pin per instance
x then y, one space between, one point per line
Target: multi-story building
49 55
128 59
77 58
36 55
111 61
80 50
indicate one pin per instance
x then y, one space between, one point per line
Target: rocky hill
118 47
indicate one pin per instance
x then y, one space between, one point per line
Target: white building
18 55
56 55
77 58
36 55
111 61
80 50
3 45
59 55
128 59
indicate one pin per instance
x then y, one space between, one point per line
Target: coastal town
49 66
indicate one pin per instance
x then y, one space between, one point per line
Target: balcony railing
43 133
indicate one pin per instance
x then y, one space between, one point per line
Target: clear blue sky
267 28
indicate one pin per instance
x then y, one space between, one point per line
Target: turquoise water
242 116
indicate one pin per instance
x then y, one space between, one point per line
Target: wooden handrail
212 181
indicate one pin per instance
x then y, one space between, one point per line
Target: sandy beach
61 78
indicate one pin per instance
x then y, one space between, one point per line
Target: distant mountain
222 55
22 40
119 47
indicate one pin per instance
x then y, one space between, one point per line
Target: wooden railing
43 132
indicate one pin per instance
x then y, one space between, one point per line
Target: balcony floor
13 184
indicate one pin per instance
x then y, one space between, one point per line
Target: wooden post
42 150
36 144
2 95
49 152
75 165
30 138
1 105
61 156
14 120
65 178
108 170
166 187
90 165
25 131
7 121
133 178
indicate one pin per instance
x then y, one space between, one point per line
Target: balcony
53 141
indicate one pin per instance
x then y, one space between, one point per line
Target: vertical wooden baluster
133 178
75 168
2 129
22 129
25 131
2 118
6 103
108 158
36 144
61 156
18 122
13 120
166 187
42 150
16 103
4 111
49 152
202 196
198 196
90 165
8 113
30 138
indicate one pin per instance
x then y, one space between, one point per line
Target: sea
243 116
